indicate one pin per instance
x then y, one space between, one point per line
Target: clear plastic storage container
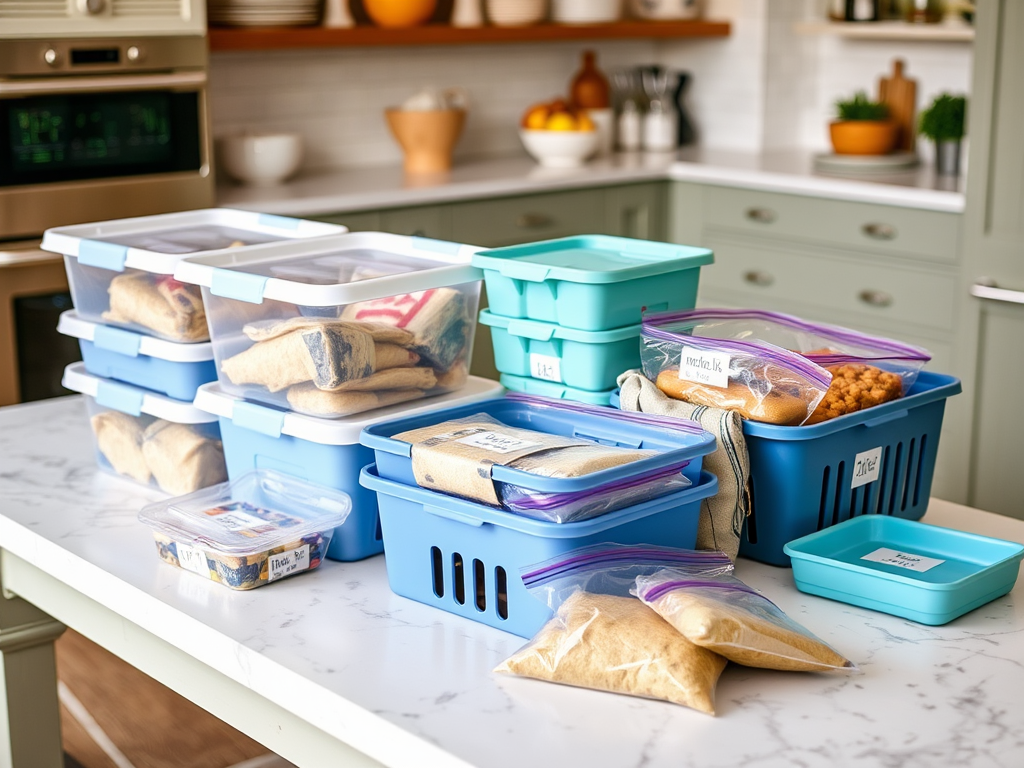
147 437
324 451
340 325
259 528
176 370
120 272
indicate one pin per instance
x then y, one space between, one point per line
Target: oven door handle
40 86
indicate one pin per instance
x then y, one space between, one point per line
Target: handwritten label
907 560
545 367
286 563
192 559
496 442
705 367
866 467
241 521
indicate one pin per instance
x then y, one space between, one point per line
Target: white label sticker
907 560
192 559
286 563
241 521
545 367
866 467
496 442
705 367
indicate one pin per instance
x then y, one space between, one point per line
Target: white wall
764 87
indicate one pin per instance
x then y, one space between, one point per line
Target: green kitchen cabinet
356 221
991 337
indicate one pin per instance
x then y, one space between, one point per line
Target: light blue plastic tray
531 386
590 360
942 573
591 282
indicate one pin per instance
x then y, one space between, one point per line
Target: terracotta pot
863 137
399 13
426 137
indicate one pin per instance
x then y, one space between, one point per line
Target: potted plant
863 127
943 122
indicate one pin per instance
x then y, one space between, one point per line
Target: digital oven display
99 135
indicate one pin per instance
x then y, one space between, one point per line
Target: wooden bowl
863 137
426 137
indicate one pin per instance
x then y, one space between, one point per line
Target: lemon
561 121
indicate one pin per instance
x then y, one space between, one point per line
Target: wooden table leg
29 710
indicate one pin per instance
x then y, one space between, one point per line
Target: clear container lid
255 513
130 399
156 243
332 271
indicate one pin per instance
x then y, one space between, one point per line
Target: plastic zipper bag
717 611
603 638
773 367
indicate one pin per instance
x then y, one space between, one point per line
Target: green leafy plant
860 107
944 119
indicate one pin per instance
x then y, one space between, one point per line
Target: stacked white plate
264 13
516 13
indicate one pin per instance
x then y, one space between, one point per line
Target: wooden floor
151 725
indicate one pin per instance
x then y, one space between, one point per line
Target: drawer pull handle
876 298
534 221
756 277
761 215
879 231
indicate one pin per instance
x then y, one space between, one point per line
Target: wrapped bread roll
306 398
119 439
157 302
181 458
393 378
381 332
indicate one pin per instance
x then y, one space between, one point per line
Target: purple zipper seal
561 499
670 586
635 417
618 555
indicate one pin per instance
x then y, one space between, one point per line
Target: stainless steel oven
91 128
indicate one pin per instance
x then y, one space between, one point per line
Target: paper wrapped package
160 303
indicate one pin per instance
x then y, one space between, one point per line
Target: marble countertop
412 686
790 171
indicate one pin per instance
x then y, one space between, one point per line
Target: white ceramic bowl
585 11
559 149
516 13
260 159
666 10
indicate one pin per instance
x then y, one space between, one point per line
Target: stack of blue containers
565 314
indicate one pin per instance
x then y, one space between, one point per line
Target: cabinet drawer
882 295
882 229
359 221
507 221
422 221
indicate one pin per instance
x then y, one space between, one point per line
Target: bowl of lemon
558 136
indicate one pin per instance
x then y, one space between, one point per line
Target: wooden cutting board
900 94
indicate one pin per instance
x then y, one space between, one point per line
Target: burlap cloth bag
722 516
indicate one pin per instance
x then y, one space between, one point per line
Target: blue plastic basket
588 360
803 477
394 457
531 386
920 572
591 282
464 557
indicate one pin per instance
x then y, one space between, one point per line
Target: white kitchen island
332 669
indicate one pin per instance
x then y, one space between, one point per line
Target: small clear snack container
121 272
340 325
249 532
147 437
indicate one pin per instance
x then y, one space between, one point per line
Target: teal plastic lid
541 331
591 259
554 389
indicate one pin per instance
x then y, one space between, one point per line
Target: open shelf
889 30
270 38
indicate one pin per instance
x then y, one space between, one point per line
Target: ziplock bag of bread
603 638
773 367
456 456
339 325
717 611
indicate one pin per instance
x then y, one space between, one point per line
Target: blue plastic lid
541 331
533 386
591 259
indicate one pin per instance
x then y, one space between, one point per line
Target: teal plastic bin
530 386
591 282
589 360
921 572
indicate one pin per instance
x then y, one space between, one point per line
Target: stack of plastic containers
144 338
314 341
565 314
464 556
